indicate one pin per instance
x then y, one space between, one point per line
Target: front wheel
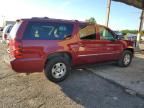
125 59
57 69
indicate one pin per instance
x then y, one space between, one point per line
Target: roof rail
47 18
40 17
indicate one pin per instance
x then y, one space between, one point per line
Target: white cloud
14 9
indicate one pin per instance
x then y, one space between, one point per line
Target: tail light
5 36
18 51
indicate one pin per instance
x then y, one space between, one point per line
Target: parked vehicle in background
5 33
55 46
5 23
141 44
132 37
1 29
142 38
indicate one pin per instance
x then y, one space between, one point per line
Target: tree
129 31
91 20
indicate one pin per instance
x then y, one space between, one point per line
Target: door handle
108 48
82 45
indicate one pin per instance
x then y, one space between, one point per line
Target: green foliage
91 20
130 31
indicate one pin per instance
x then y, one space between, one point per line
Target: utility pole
140 28
3 17
108 12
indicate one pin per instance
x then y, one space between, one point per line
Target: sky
122 16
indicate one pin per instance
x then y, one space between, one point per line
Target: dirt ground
81 89
22 91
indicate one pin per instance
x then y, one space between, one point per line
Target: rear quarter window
47 31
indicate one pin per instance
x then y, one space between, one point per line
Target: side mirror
118 37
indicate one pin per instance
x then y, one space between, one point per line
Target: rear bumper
25 65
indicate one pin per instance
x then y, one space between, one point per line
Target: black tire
51 63
121 61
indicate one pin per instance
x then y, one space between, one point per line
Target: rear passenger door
87 44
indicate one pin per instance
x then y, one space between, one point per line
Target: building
8 22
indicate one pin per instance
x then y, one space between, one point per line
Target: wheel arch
66 55
131 50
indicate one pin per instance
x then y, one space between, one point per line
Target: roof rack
40 17
47 18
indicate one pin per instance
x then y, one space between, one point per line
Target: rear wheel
125 59
57 69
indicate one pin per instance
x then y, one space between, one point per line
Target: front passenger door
111 46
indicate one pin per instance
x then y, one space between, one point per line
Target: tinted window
9 29
47 31
87 32
105 34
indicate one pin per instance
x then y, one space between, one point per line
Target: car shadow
89 90
84 88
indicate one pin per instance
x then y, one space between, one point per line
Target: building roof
136 3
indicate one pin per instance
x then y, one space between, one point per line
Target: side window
105 34
48 31
87 32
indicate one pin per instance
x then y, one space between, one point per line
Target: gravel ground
81 89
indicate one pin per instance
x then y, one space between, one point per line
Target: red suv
55 45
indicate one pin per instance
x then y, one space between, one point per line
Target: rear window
48 31
9 29
14 30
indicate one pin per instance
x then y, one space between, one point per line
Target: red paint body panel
27 65
35 52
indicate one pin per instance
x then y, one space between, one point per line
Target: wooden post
108 12
140 28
